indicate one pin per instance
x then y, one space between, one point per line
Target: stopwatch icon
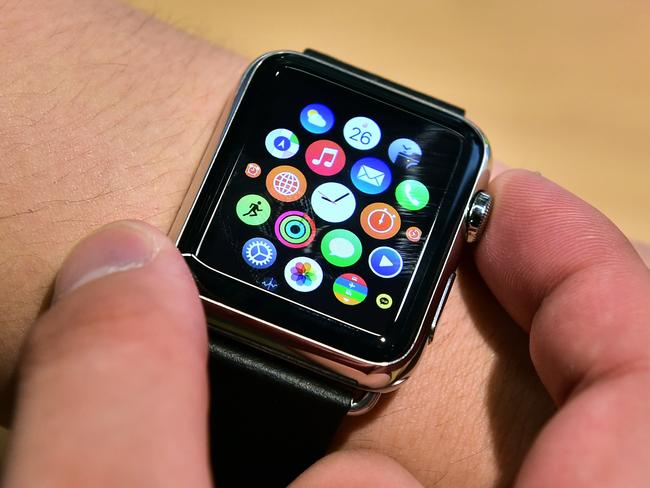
380 220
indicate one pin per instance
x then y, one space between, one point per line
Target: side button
441 305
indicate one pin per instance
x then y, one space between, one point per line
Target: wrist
108 114
472 407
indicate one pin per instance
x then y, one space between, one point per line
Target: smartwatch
323 229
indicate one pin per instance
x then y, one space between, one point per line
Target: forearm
104 113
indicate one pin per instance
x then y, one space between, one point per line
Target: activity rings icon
295 229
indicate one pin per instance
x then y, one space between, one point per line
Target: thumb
356 469
112 387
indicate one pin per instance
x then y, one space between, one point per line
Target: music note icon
329 155
325 157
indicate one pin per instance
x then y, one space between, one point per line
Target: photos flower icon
303 274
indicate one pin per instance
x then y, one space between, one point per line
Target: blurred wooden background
559 87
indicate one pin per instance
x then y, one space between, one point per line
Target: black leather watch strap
384 81
269 420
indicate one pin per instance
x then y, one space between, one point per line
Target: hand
324 197
112 382
341 197
573 281
577 285
126 314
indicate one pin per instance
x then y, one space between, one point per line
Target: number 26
358 135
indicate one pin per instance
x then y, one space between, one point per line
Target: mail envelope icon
371 176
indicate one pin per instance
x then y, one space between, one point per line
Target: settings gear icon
259 253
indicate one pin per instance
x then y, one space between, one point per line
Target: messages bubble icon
341 247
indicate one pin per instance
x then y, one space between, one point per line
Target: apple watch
323 229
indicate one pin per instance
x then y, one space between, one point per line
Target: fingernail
115 248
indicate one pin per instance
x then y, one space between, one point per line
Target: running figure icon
253 209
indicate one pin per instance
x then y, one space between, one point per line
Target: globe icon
286 183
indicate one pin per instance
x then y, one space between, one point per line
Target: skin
106 114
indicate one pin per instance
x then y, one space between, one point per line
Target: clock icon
333 202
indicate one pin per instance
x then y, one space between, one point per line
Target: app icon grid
295 229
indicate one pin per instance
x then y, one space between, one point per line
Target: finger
644 251
564 272
356 469
497 168
112 381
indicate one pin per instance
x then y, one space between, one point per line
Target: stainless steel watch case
369 378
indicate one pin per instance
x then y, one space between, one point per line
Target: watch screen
325 204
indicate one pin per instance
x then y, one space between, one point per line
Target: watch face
333 202
331 206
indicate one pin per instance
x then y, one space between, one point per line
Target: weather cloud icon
317 118
314 118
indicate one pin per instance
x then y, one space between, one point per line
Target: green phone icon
412 195
341 247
